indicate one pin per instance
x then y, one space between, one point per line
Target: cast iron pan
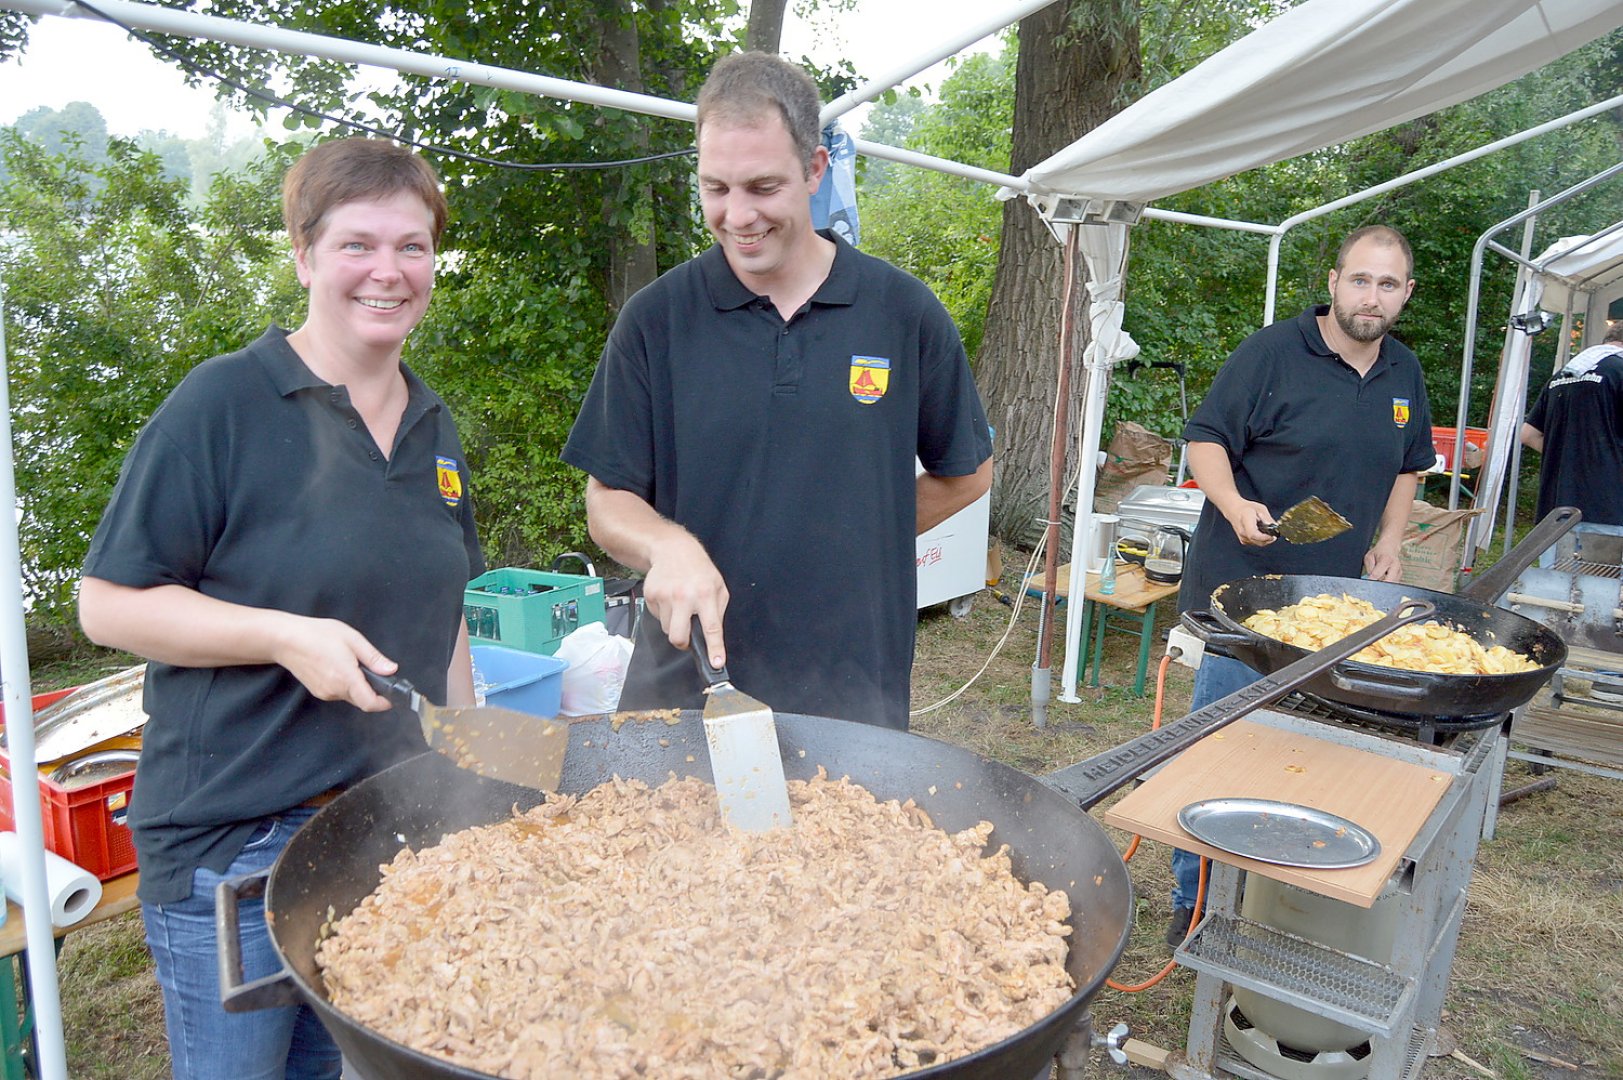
1463 700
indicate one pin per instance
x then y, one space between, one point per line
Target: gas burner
1426 729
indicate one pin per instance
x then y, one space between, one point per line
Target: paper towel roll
73 890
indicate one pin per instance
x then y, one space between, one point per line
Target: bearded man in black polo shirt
1325 404
752 431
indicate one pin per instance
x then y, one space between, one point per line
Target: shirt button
373 454
352 421
334 396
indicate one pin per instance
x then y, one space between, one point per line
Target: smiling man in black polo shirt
1325 404
751 432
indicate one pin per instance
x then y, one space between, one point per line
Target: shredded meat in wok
625 933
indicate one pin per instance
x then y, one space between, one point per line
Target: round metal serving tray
1282 833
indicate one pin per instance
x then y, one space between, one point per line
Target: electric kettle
1164 563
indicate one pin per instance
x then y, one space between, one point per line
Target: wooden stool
1135 596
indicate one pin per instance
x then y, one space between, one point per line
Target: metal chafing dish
1150 506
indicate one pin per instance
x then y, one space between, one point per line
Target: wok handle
1091 780
1488 586
236 996
713 676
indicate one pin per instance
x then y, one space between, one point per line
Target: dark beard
1361 331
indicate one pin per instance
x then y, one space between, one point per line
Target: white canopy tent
1323 73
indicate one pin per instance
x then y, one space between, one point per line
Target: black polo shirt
787 449
1580 413
257 483
1297 420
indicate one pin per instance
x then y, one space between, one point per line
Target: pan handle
1091 780
1388 682
1210 630
713 676
236 996
1487 587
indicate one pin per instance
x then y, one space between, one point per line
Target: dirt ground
1536 989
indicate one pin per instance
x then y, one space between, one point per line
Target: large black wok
1420 695
333 862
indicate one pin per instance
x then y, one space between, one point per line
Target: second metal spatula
502 744
1308 522
744 755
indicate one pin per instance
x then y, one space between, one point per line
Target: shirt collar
289 374
1308 323
727 293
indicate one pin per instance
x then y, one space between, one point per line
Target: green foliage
512 354
940 228
114 290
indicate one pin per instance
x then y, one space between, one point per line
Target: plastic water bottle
1107 575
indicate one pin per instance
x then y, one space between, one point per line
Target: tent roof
1581 264
1320 74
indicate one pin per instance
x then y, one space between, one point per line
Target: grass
1539 970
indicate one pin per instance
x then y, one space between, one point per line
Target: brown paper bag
1432 543
1135 456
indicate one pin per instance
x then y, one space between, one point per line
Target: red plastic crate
84 825
1442 440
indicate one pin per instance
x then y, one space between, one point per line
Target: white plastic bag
596 671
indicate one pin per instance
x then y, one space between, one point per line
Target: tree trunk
1075 56
765 30
631 255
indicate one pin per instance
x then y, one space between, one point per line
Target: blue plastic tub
525 681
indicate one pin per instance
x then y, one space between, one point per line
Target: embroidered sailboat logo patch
870 378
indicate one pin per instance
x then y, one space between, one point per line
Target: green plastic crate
532 610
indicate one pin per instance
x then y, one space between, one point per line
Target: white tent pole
1509 394
926 161
1273 276
1210 222
190 24
1106 264
902 72
25 794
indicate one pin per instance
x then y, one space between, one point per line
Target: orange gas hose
1132 849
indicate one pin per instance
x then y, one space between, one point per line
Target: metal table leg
12 1039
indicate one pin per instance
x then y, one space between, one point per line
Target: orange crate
1442 438
84 825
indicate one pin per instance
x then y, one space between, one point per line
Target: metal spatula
1308 522
502 744
744 755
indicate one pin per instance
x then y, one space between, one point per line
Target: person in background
252 551
1326 404
1577 425
751 432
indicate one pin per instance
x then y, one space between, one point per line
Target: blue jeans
1215 679
205 1041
